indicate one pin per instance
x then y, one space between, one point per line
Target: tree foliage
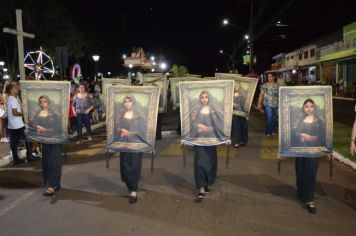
49 20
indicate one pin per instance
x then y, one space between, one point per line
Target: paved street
249 198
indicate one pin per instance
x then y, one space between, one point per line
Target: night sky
190 33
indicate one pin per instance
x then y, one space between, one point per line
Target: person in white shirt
16 126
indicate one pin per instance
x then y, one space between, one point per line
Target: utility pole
250 30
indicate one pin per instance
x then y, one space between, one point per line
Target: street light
123 56
152 58
96 59
225 22
163 65
2 63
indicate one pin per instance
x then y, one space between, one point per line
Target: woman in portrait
310 132
46 123
239 123
131 128
206 122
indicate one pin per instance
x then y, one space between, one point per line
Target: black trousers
15 136
130 169
159 127
306 170
239 130
205 165
52 164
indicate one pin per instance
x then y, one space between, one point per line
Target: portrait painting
174 83
206 111
244 91
112 81
132 118
306 121
162 83
46 108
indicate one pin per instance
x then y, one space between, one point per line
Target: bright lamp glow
163 66
153 70
2 63
130 65
221 51
4 69
109 73
123 56
96 57
246 36
152 58
225 21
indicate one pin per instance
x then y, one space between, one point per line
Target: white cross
20 34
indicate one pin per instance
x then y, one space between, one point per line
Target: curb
344 160
6 160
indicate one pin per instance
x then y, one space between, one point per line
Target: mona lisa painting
132 118
306 121
206 111
46 107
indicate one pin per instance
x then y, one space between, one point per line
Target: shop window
291 57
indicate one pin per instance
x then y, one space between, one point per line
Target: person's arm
353 136
260 98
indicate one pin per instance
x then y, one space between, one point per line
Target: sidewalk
6 157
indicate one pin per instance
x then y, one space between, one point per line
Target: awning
288 68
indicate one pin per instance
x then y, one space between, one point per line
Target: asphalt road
249 198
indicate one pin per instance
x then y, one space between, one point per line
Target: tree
178 71
49 20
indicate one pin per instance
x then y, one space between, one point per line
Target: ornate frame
160 81
250 93
27 87
152 109
285 146
106 81
228 87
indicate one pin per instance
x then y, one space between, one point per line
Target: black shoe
206 190
17 162
49 193
311 208
132 199
32 158
200 197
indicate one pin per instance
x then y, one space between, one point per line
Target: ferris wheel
39 65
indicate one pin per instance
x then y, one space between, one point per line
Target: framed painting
46 108
113 81
306 121
132 118
174 82
206 111
244 91
162 84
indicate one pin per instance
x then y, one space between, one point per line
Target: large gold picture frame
162 83
58 94
248 87
112 81
292 116
174 83
146 104
220 101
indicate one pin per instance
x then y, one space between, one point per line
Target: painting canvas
306 121
132 118
174 83
112 81
162 84
245 88
206 111
46 108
